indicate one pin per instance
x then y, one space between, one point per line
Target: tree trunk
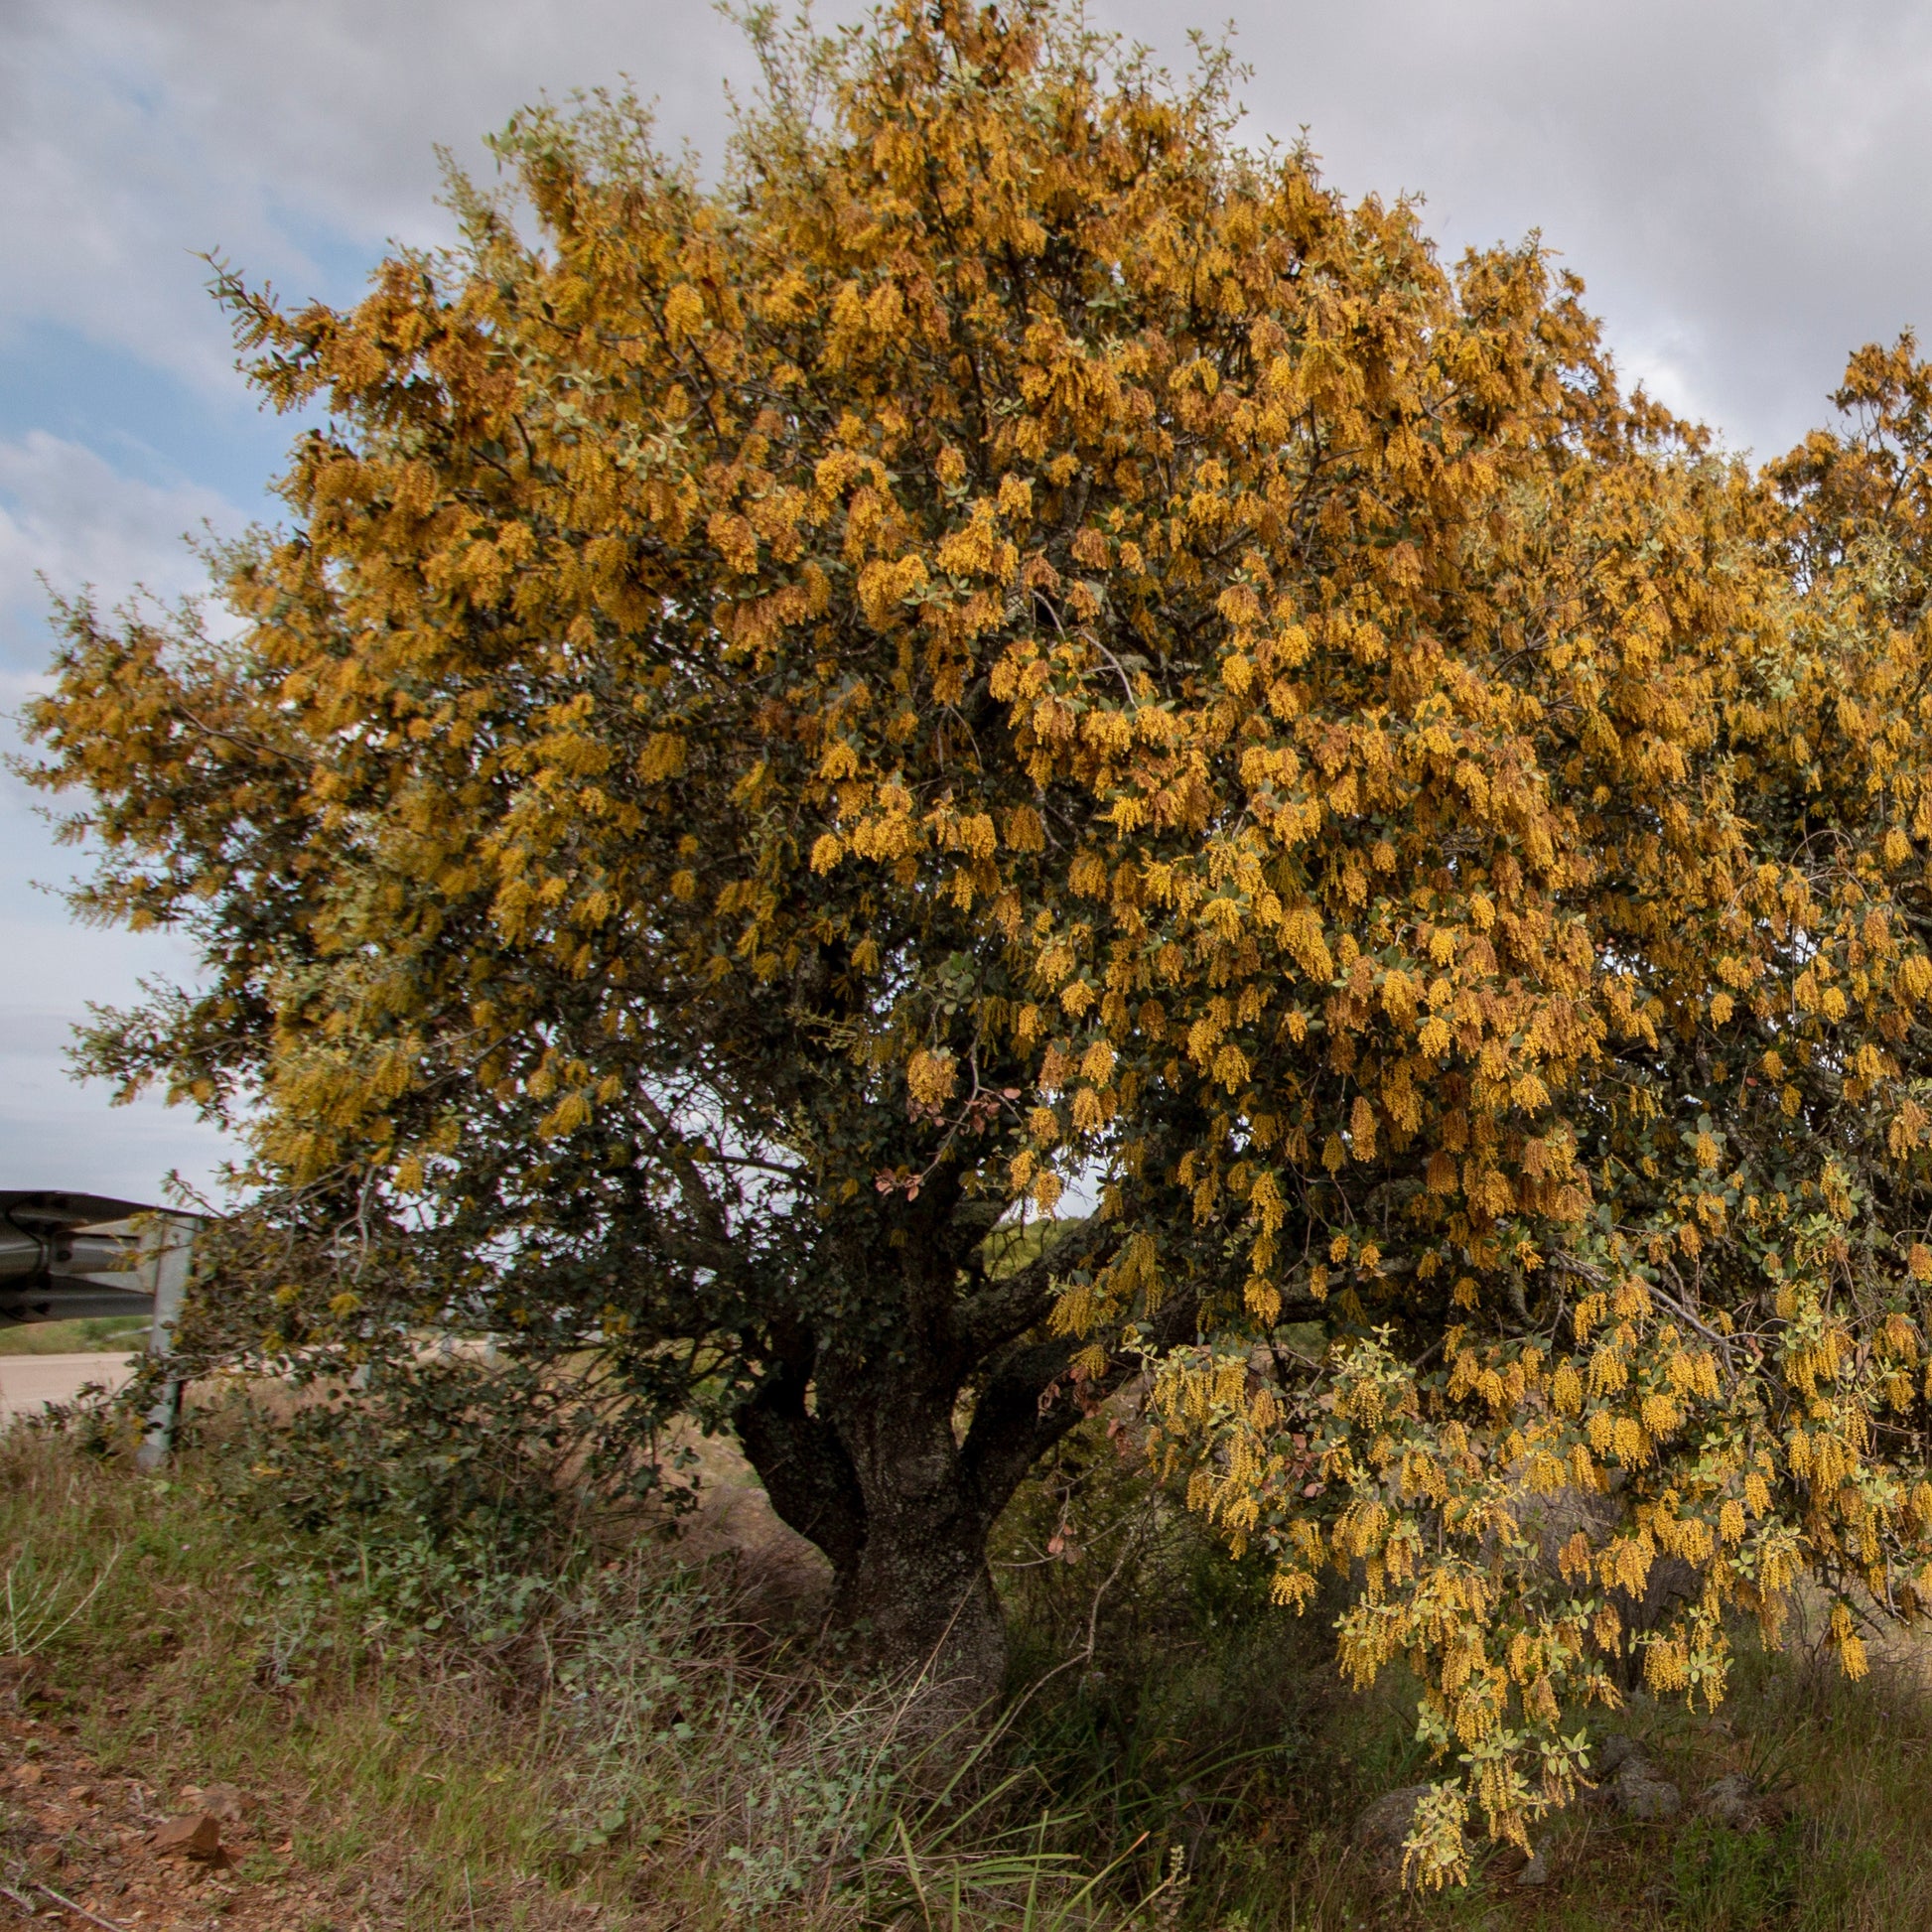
920 1589
857 1450
868 1467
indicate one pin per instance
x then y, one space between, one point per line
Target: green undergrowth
1176 1706
594 1722
89 1336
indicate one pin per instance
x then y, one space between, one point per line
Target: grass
1208 1720
95 1334
614 1737
624 1738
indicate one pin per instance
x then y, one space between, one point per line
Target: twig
93 1918
1726 1346
1723 1343
41 1636
1082 1656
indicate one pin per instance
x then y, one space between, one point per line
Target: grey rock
1536 1872
1383 1829
1628 1782
1734 1802
1639 1792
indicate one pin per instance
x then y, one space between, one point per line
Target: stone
193 1835
1650 1800
1638 1791
1627 1781
1536 1872
1734 1802
1383 1829
228 1802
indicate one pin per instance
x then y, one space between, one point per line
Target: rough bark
920 1589
859 1452
803 1466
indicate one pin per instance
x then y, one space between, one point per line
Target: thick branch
1003 1310
801 1461
1015 1425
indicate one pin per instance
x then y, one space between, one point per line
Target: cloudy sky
1747 189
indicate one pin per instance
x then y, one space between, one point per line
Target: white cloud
68 515
56 1132
1739 182
1744 177
133 137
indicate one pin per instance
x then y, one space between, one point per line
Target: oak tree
1016 642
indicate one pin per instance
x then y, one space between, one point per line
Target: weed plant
522 1733
1170 1704
609 1729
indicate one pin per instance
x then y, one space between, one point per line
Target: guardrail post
166 1247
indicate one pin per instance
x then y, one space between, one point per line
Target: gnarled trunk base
919 1591
920 1605
870 1471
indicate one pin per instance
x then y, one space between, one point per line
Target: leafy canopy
1019 639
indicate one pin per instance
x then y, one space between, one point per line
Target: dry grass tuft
654 1737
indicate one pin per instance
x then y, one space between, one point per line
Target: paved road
30 1382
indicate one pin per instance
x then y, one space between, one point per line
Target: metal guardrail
53 1246
66 1257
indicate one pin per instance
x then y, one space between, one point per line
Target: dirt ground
81 1848
30 1382
81 1842
85 1843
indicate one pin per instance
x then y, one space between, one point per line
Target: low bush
436 1731
593 1728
